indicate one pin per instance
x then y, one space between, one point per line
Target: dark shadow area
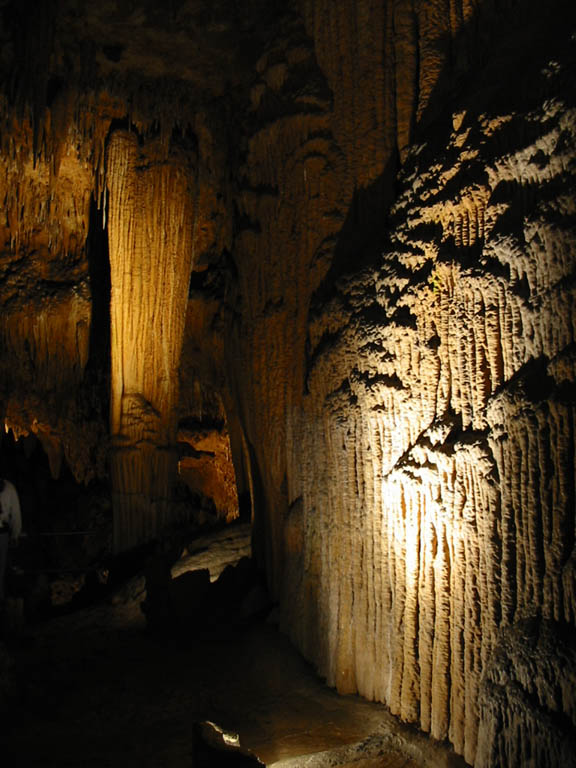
64 550
100 287
179 608
258 511
360 240
497 59
358 249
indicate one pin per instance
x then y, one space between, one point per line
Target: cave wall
46 301
407 378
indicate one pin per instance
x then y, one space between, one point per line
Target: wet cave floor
97 689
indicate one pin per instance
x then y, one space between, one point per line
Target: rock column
150 224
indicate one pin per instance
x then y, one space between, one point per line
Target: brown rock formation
207 469
346 232
415 463
150 232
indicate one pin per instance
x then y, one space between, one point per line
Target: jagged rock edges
442 509
206 466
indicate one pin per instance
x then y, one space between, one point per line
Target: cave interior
301 272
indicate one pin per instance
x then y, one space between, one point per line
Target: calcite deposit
150 228
319 258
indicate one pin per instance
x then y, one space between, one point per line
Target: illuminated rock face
449 432
409 405
207 469
150 234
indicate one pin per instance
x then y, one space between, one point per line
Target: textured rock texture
207 469
344 233
527 697
419 467
110 194
150 234
46 298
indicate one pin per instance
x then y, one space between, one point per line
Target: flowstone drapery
150 225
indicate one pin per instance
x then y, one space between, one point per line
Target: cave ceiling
205 47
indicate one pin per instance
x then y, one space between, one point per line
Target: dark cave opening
64 561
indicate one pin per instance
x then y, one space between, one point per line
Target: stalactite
150 223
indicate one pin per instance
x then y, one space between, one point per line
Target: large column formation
150 224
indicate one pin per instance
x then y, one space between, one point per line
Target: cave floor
97 690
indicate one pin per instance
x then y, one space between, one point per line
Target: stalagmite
150 225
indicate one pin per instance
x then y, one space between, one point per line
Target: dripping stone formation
312 263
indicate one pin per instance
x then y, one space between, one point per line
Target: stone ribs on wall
419 471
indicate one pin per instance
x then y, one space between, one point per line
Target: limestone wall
407 381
